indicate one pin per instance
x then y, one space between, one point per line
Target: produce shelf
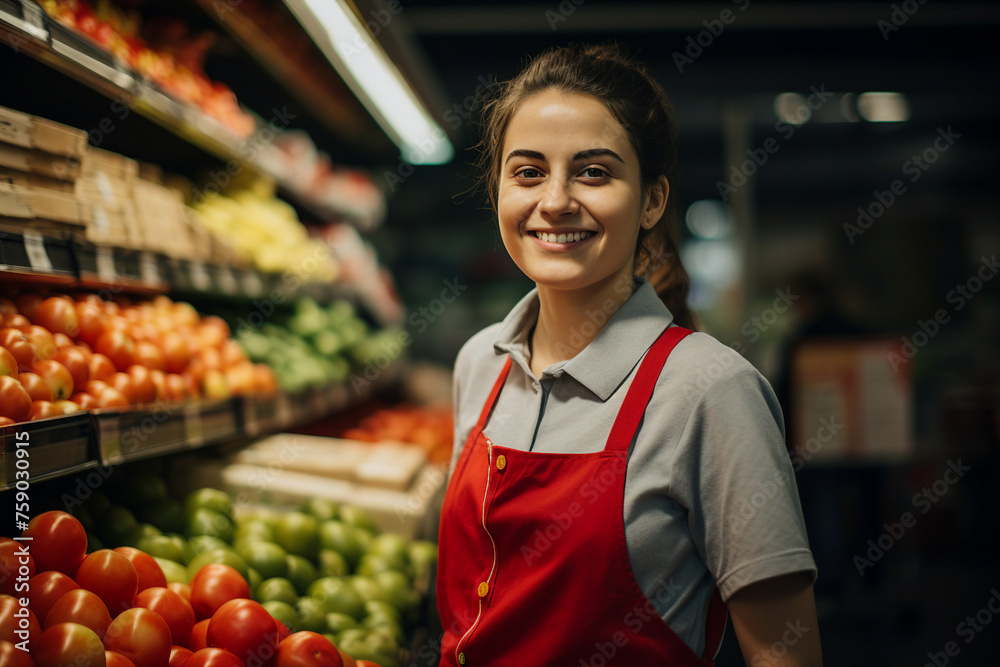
61 446
25 27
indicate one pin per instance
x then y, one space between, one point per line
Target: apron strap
630 414
488 406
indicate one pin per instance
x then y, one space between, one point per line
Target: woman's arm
775 622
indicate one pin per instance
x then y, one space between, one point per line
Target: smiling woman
600 530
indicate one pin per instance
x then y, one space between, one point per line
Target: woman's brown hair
641 105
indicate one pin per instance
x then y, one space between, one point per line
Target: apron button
461 658
488 441
501 462
484 588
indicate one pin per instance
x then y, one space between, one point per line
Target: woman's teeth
563 238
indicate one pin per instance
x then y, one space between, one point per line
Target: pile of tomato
60 606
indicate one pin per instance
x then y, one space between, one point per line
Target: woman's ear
656 202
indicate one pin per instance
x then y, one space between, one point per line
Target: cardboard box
109 227
61 167
16 202
114 166
24 179
32 132
161 217
100 190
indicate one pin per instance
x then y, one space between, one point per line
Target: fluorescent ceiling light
376 81
884 107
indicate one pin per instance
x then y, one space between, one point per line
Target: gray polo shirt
710 498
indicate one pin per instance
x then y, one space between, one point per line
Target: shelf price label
199 276
252 284
149 269
106 263
227 280
34 245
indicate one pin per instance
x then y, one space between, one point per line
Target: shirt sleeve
734 475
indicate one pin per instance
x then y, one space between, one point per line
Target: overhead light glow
709 219
884 107
792 108
376 81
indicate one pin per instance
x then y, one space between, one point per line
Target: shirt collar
605 363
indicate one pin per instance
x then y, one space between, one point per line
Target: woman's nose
557 199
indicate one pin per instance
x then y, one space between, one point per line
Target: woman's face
570 198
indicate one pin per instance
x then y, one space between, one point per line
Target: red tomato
19 345
15 561
101 368
58 315
45 588
58 376
307 649
199 635
117 346
246 629
117 660
123 383
182 589
366 663
142 383
6 421
112 577
179 656
159 379
213 657
62 340
146 568
59 541
176 387
43 410
43 342
175 352
79 606
174 609
11 625
18 321
69 644
149 355
8 364
36 386
90 318
111 398
140 635
85 401
11 656
15 403
214 585
75 360
7 307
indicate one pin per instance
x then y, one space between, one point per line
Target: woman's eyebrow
596 152
523 152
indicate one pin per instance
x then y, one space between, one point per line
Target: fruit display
265 230
314 344
431 428
196 579
164 51
60 354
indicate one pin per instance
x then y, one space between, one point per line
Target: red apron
533 567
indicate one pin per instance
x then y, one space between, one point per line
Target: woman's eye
528 172
594 172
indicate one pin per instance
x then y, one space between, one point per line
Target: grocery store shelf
61 446
36 258
25 27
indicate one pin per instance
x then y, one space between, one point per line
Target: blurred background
837 211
